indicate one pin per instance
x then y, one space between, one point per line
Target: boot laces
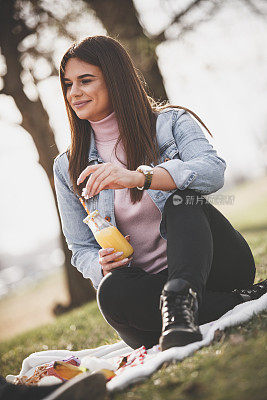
178 308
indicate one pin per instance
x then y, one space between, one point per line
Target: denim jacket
184 152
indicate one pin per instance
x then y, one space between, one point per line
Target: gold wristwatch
148 172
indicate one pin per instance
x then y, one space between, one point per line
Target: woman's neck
106 129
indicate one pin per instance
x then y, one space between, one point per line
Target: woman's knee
107 290
181 205
180 198
112 290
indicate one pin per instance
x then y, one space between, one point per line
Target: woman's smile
80 104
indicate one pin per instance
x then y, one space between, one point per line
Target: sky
219 71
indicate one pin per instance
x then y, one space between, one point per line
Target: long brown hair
136 112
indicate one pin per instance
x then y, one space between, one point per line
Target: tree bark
35 121
121 22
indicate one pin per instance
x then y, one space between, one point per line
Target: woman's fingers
109 267
87 171
103 252
110 257
107 260
95 179
115 178
107 256
105 181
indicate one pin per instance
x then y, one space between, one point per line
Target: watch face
145 168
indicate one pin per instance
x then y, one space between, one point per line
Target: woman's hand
108 176
107 259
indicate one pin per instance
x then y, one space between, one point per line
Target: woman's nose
75 90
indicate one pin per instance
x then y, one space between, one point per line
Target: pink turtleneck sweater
141 220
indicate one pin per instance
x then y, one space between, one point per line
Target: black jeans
202 248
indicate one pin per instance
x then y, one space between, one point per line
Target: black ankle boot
253 292
179 308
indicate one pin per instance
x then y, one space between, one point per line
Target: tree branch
161 37
197 23
59 24
251 5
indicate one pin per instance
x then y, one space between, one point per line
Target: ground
234 367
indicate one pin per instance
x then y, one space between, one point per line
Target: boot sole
178 338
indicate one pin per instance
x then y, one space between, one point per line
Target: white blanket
107 356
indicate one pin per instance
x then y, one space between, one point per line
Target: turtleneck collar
106 129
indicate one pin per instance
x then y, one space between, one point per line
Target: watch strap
148 180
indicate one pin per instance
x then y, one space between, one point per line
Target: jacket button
108 218
167 159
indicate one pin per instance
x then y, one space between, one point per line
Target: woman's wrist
139 179
161 179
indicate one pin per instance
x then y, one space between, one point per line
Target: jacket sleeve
199 167
79 237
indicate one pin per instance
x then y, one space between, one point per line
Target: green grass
234 367
79 329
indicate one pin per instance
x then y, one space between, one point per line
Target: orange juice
107 235
111 237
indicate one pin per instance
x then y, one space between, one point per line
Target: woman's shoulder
171 115
171 112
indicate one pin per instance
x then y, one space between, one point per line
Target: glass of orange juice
107 235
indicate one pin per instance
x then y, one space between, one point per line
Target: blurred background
209 56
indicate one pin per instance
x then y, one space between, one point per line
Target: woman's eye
84 82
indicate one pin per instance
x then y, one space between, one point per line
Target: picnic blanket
141 363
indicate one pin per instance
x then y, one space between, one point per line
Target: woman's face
86 90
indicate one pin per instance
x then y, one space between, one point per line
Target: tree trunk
35 121
120 20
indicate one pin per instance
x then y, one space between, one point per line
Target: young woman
144 167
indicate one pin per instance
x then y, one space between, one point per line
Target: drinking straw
84 205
